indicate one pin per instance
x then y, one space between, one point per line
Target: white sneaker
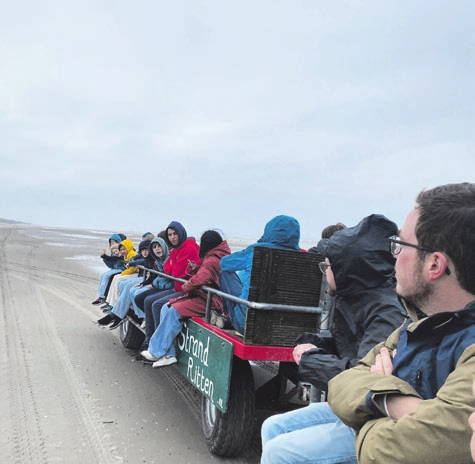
165 361
147 355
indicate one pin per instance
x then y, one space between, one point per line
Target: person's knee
271 427
273 452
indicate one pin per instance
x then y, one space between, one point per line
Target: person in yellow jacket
127 251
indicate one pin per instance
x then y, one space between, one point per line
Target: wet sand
69 391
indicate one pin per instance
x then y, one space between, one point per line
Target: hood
359 256
220 250
128 244
182 235
282 231
115 237
164 246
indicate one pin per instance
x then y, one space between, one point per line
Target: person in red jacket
185 250
161 348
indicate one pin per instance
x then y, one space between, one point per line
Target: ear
437 263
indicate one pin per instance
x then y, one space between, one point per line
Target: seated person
127 251
122 305
280 232
116 265
161 348
185 250
360 274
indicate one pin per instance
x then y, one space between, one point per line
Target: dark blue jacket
429 353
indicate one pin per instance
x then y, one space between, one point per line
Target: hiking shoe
98 301
116 323
147 355
165 361
107 319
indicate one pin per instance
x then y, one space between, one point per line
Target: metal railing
249 304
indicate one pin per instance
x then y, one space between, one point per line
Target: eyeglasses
323 266
395 247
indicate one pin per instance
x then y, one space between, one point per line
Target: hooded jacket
193 303
139 260
155 280
435 361
128 244
112 261
187 249
280 232
366 308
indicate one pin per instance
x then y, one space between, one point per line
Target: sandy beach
70 392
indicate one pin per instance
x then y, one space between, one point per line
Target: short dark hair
330 230
447 224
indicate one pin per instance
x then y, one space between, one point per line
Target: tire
130 336
228 434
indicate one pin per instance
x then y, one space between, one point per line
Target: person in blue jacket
280 232
116 265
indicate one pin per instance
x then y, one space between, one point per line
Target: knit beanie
114 246
144 244
209 240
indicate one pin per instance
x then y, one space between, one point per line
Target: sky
127 115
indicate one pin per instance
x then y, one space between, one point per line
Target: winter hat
114 246
148 236
144 244
209 240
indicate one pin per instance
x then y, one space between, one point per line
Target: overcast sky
127 115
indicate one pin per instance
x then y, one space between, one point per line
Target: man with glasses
410 398
360 273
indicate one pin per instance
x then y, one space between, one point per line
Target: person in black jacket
360 274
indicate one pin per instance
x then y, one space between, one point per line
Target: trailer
217 362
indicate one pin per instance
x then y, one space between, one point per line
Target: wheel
130 336
228 434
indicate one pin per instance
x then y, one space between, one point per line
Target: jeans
312 434
229 282
140 298
122 304
163 340
152 319
104 280
133 292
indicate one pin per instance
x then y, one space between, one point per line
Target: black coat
367 308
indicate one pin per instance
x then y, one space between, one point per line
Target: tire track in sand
45 395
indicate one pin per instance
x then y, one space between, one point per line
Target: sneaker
116 323
107 319
165 361
105 305
98 301
142 326
147 355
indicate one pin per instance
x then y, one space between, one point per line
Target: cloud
224 114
